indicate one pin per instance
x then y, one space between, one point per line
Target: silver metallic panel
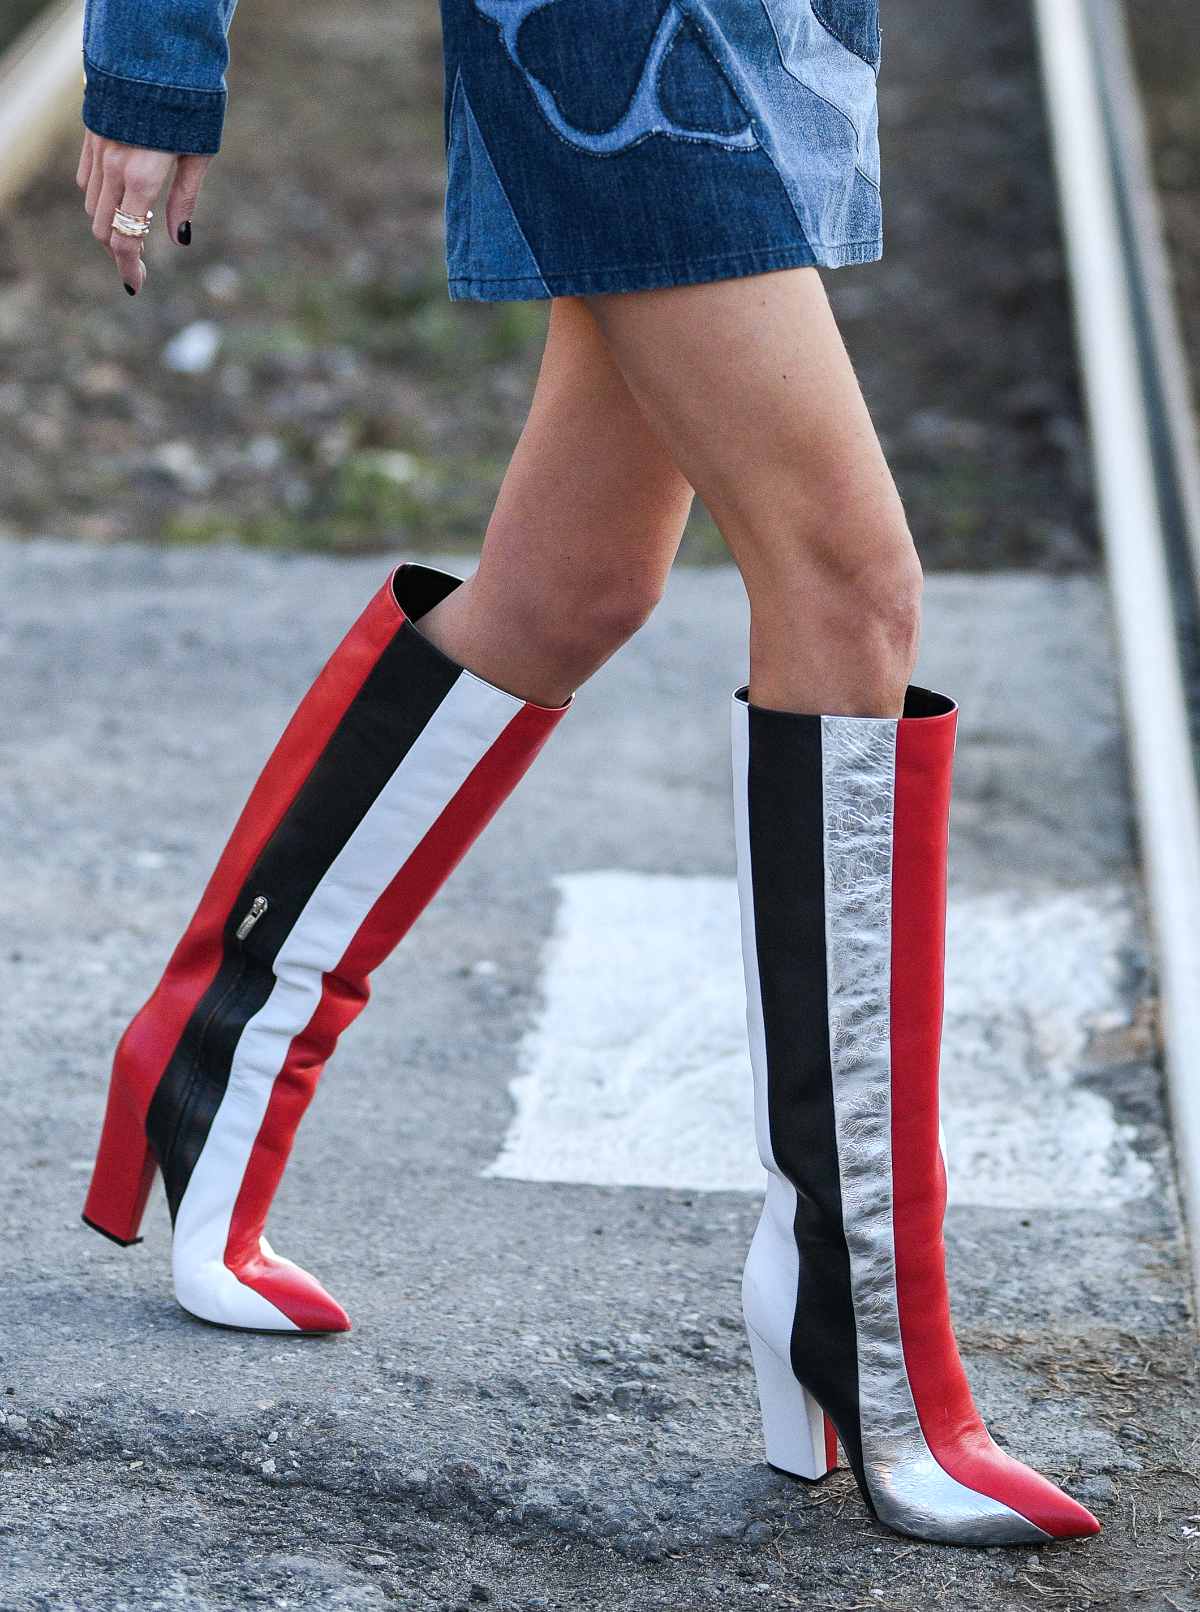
910 1490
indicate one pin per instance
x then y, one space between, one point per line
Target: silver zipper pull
257 907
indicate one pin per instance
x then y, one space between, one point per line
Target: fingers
94 181
84 170
108 199
181 200
127 255
113 175
127 249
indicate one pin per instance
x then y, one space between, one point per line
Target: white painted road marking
637 1070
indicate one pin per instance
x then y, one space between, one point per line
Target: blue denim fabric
614 145
155 71
592 145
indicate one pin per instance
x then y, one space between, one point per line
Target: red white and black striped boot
842 826
394 761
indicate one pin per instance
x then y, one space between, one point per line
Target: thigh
589 518
592 489
749 385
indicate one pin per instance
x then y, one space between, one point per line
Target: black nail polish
131 289
185 232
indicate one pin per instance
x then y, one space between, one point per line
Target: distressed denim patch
855 23
620 144
480 222
588 55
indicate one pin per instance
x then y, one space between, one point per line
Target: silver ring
130 224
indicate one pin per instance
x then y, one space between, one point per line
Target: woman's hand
112 175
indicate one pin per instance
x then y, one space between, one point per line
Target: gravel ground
546 1400
337 400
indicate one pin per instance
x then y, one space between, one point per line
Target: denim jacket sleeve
155 71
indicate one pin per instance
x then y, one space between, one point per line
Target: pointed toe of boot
318 1311
310 1307
1056 1514
293 1292
1070 1520
1030 1497
972 1501
306 1304
259 1293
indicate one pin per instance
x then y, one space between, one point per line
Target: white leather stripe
910 1490
463 728
770 1279
754 1007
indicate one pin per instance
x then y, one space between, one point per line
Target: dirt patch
337 400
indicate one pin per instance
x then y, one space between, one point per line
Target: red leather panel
147 1045
951 1424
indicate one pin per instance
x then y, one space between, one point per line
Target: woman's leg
588 521
842 794
749 385
394 761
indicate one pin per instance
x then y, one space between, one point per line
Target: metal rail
1147 477
41 89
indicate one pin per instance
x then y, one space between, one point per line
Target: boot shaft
842 826
394 762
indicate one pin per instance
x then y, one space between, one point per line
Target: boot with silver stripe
842 827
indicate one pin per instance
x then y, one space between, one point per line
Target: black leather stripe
395 704
786 820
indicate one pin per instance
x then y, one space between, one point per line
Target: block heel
800 1438
122 1176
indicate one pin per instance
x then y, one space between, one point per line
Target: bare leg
357 819
749 385
841 852
585 528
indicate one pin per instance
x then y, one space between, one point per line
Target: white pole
41 87
1131 517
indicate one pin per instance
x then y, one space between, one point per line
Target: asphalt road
546 1399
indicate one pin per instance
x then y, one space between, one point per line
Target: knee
584 622
620 606
854 566
876 608
886 601
838 609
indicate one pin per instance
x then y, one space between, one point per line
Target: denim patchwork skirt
615 145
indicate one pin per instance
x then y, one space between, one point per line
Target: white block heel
800 1438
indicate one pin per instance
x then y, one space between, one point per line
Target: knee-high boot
394 761
842 827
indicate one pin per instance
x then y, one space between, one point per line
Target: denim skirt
616 145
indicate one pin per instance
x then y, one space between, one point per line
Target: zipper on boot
253 913
250 917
